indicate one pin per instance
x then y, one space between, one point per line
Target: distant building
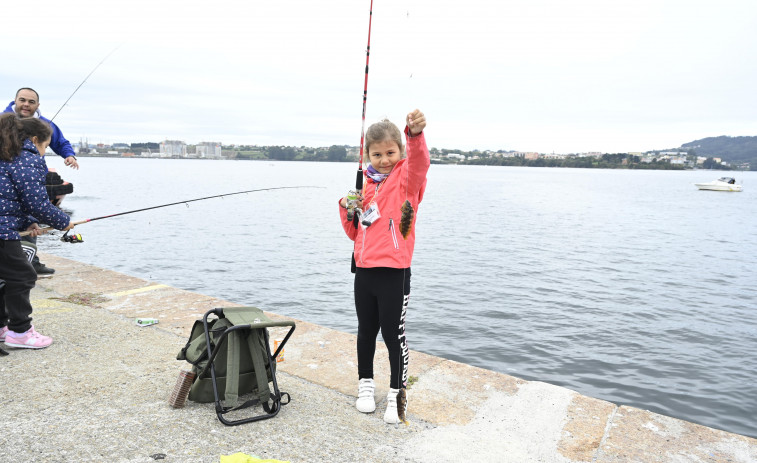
208 149
173 149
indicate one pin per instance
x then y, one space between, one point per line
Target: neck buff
375 175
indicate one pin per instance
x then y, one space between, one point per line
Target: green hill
734 150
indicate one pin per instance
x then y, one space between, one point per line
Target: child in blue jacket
23 203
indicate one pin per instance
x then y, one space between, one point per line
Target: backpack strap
256 344
258 350
233 344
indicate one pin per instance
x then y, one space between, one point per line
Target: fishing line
173 204
404 373
85 79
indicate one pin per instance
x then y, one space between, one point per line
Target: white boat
721 184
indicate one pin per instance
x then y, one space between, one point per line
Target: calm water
630 286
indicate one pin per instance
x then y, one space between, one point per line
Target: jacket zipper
362 250
394 234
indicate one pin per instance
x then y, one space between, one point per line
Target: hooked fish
406 221
402 405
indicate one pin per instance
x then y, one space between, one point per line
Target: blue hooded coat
23 197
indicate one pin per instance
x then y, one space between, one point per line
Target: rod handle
47 229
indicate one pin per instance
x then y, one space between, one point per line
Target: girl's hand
416 122
35 230
69 227
345 202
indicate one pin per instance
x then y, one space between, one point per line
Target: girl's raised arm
416 122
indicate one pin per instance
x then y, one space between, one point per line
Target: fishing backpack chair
231 357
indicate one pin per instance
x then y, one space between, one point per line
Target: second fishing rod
77 238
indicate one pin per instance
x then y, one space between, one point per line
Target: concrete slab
72 277
99 393
524 427
642 436
450 392
585 426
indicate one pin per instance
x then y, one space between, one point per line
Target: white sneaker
391 416
366 402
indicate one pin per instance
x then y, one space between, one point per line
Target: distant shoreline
585 162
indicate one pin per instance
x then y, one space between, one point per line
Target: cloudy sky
531 75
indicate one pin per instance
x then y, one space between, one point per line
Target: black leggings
381 297
20 278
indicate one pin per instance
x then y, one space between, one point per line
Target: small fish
406 221
402 405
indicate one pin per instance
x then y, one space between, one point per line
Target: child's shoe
366 402
3 330
392 415
27 340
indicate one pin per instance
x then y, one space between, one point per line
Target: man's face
26 103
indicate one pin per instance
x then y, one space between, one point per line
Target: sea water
626 285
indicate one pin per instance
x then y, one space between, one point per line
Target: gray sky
530 75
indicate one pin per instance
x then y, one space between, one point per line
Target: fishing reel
353 197
75 238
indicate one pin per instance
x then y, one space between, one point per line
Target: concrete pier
99 394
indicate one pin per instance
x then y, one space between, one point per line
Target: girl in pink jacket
384 241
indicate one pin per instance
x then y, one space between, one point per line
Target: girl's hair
381 131
14 130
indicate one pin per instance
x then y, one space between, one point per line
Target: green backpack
242 363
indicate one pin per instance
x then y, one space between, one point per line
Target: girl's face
41 145
384 155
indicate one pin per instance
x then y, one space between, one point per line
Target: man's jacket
58 143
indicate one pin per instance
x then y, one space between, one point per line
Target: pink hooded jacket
381 244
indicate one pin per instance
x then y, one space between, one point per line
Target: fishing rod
85 79
354 196
359 179
74 239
